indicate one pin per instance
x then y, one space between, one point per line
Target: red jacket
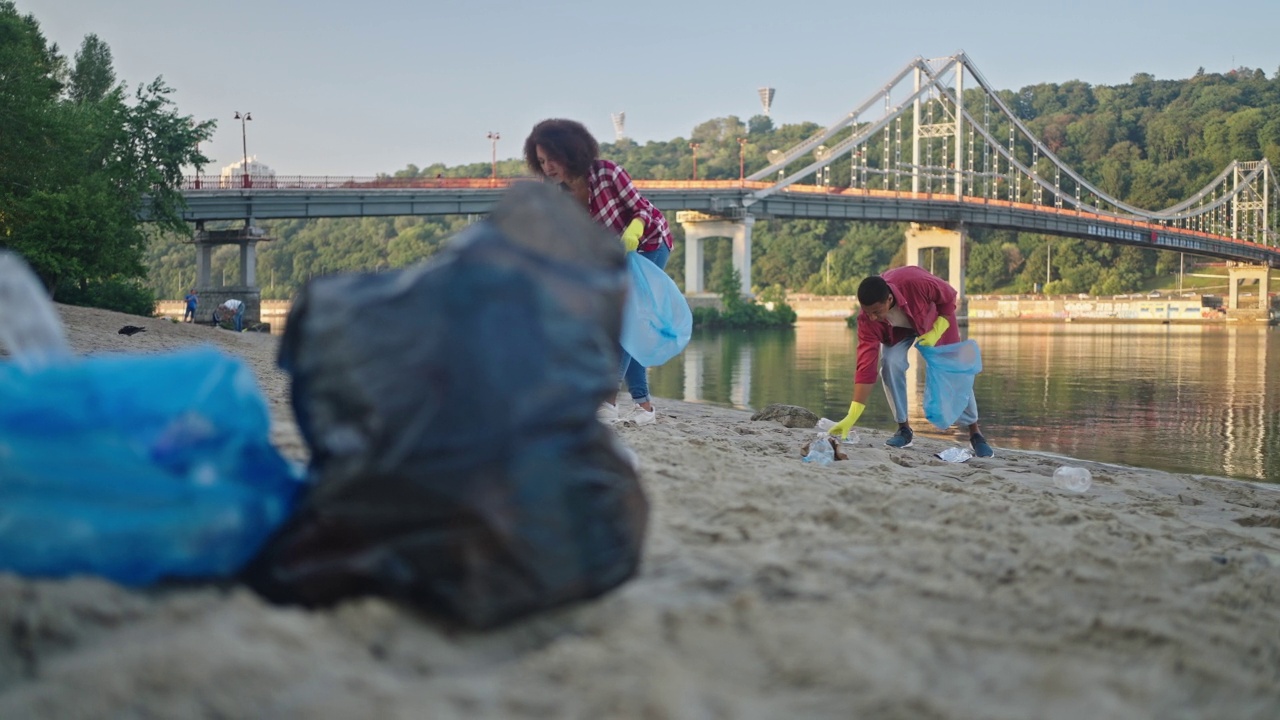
923 296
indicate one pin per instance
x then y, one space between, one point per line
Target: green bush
126 296
743 312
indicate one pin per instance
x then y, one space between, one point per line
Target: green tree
80 161
93 77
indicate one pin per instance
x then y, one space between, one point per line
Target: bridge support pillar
245 289
699 227
923 237
249 263
204 263
1241 272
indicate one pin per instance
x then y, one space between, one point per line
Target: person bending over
232 310
899 307
564 152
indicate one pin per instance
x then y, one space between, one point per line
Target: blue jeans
893 375
634 373
239 320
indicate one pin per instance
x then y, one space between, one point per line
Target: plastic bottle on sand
1075 479
820 450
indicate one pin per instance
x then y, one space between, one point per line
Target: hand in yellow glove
930 338
842 428
631 236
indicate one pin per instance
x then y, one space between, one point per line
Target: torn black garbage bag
457 462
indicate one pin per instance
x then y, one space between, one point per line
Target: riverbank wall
1040 308
1031 308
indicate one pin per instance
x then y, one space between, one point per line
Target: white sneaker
645 417
607 412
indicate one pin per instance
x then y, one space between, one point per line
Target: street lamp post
493 141
244 146
694 146
742 161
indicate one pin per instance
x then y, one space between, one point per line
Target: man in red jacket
901 306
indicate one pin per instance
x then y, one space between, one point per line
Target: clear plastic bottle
1075 479
30 330
825 425
820 450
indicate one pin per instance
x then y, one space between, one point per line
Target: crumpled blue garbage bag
948 380
656 320
137 467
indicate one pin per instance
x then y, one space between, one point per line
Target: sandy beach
890 585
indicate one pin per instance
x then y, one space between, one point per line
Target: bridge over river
935 147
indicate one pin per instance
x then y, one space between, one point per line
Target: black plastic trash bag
450 409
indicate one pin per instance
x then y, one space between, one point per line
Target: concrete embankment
1073 308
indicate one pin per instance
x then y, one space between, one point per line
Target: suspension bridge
935 147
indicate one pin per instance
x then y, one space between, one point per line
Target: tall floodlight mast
766 99
619 126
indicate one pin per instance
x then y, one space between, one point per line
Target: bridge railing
330 182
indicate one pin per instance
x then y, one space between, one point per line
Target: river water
1184 398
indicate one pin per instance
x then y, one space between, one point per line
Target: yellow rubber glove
930 338
631 236
842 428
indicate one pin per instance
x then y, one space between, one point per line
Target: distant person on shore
232 309
564 152
193 301
899 307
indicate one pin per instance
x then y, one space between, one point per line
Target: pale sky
360 88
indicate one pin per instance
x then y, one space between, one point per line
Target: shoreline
891 584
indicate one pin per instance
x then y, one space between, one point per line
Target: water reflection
1184 398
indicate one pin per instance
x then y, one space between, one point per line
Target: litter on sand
955 454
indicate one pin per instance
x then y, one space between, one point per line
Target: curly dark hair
568 142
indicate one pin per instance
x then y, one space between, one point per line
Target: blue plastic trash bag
137 467
656 320
948 380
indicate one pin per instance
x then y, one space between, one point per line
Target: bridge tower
246 288
951 131
701 226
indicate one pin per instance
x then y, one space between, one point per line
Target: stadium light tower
493 141
619 125
766 99
244 146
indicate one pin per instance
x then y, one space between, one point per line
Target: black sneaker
901 439
980 446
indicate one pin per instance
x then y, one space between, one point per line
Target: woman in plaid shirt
564 152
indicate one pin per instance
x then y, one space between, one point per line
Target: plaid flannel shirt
614 203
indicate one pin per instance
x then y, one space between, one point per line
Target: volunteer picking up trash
901 307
